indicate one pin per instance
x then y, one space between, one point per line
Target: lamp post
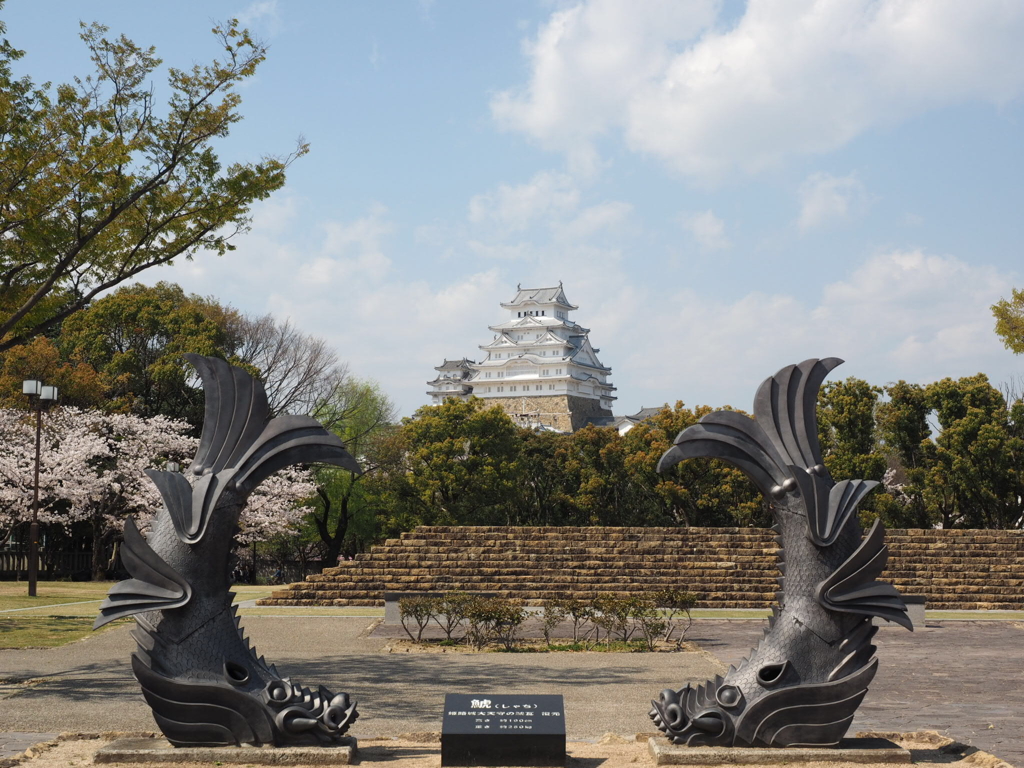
40 398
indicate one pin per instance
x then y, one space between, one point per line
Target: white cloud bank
707 229
899 315
790 77
825 198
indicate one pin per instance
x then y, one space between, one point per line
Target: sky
723 188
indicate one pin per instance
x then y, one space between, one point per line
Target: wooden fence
51 564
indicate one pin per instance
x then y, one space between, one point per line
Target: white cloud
262 14
899 315
825 198
513 208
352 251
588 59
590 221
550 199
790 77
707 229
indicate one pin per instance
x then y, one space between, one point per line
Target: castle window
511 389
538 386
551 386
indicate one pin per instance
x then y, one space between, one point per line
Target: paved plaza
964 679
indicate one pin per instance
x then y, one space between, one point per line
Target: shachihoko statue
204 683
803 682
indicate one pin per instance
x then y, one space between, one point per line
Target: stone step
727 567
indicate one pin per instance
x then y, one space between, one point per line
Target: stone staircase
726 567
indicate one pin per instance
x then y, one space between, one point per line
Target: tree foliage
847 432
361 415
1009 315
465 463
99 185
79 384
136 339
92 476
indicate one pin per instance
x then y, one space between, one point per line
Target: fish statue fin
154 585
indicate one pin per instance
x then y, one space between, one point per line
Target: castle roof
453 365
539 296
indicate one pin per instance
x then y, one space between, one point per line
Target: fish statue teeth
203 681
805 679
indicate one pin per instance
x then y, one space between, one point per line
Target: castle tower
452 381
540 366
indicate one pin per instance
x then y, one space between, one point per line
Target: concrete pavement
959 678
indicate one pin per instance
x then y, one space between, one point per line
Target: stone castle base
566 413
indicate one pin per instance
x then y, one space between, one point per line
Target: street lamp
40 397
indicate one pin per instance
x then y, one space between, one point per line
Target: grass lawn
21 631
63 611
55 597
14 594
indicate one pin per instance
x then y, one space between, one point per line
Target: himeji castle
540 367
452 380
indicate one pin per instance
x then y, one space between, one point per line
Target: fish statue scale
204 681
805 679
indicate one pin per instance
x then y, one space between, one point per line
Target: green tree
906 439
1009 315
361 415
976 478
545 493
594 461
700 492
456 468
846 430
137 336
97 186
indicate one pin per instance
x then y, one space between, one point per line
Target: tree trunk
333 540
99 572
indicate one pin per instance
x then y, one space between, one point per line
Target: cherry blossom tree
92 469
273 512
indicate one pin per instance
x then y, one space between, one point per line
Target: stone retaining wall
726 567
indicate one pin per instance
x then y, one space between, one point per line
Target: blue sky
723 188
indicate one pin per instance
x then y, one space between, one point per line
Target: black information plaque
493 729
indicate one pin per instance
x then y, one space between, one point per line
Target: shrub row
480 621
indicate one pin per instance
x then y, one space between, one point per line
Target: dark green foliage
464 463
494 619
136 338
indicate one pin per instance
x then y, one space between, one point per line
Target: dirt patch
403 645
422 750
